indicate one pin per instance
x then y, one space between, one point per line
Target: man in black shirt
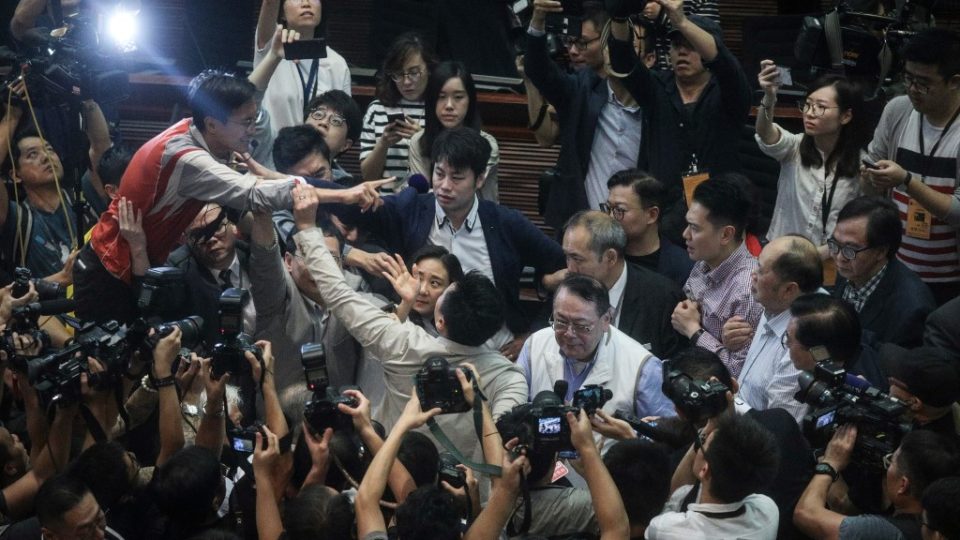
927 381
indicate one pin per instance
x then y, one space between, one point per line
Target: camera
697 400
47 290
591 397
541 425
321 412
163 294
447 471
189 328
313 357
244 440
437 386
228 354
838 398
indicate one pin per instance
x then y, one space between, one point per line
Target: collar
202 143
871 283
234 267
469 223
778 324
729 265
612 99
616 292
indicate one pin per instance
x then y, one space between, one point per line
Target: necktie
226 280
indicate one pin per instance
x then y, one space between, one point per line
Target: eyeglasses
321 113
887 460
815 110
562 326
580 43
197 237
848 252
413 74
911 80
785 340
699 441
616 212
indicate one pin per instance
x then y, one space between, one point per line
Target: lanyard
309 85
933 151
827 202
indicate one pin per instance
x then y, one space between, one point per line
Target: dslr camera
541 425
697 400
838 398
449 472
591 397
321 411
47 290
228 353
162 293
437 386
244 440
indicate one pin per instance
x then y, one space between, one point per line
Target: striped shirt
374 122
722 293
936 259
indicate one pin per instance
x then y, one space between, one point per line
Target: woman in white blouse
820 168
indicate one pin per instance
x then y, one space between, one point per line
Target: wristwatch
827 469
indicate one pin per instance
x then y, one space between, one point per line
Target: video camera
541 426
228 354
697 400
322 411
841 398
437 386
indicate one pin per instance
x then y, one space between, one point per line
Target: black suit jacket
897 308
943 329
648 301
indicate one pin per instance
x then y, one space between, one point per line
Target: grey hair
605 232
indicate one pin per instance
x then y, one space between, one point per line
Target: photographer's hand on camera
468 495
611 427
840 447
319 446
8 302
165 353
266 456
540 10
413 416
360 414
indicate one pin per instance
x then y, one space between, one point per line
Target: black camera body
591 397
541 425
447 471
190 332
321 412
163 294
839 398
244 440
697 400
313 357
437 386
228 354
46 290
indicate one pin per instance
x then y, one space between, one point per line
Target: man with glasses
636 200
891 300
601 122
337 116
921 458
916 148
583 348
641 300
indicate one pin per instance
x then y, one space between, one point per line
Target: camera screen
242 445
826 419
549 425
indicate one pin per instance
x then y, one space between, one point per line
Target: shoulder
335 59
868 526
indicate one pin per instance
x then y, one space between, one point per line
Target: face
929 91
324 120
699 458
455 188
434 279
38 164
351 233
301 274
830 119
19 458
302 13
415 76
580 258
686 61
704 240
452 103
234 134
636 219
218 251
313 165
799 355
893 477
853 233
585 328
766 285
591 56
85 521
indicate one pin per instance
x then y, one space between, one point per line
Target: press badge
919 221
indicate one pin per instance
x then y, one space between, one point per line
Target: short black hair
217 94
588 289
294 143
186 486
113 163
462 148
594 12
801 264
341 103
56 497
941 502
743 456
449 261
429 513
926 456
701 364
832 323
641 470
472 310
289 243
420 456
20 135
935 47
101 466
726 203
648 189
883 221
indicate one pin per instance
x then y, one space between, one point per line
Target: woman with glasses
820 168
296 82
451 101
397 112
434 269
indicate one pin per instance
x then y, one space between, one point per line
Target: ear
736 386
704 473
728 234
210 124
903 485
915 404
609 256
111 190
791 289
347 145
481 179
954 82
653 214
846 117
10 469
440 324
288 261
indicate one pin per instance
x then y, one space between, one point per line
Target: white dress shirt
467 243
768 379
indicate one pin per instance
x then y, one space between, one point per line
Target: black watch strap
827 469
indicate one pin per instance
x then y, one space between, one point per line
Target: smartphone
396 118
786 78
869 164
307 48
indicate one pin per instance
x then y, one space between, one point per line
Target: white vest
618 365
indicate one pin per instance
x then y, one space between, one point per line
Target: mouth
444 199
809 125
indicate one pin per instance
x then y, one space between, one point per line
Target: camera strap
484 468
527 512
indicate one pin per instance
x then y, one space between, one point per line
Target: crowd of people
263 345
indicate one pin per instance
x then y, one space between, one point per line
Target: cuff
536 33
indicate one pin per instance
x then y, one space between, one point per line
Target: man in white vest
583 348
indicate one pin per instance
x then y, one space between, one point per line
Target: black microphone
419 182
560 388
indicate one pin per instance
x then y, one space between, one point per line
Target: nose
449 103
422 288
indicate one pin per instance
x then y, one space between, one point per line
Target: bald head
787 267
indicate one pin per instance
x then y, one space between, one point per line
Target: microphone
560 388
419 182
